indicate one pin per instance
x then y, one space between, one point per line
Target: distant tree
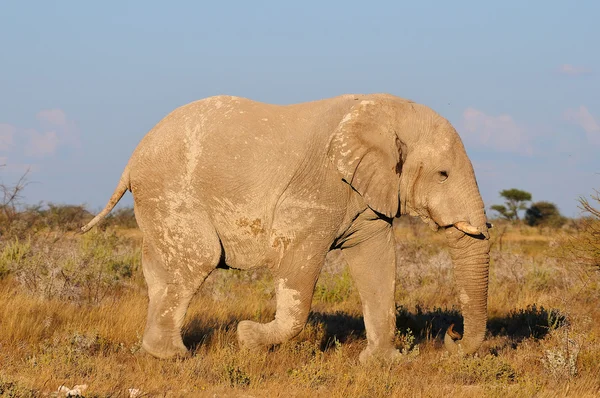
515 200
544 214
503 211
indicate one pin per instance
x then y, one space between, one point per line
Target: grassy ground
72 311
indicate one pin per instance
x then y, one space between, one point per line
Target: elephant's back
215 140
218 153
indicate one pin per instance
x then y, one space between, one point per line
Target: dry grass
543 340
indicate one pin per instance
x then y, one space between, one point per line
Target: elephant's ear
366 151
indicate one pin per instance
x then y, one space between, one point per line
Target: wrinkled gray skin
229 181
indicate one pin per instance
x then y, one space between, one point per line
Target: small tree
515 201
544 214
586 245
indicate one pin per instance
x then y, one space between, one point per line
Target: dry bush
123 217
25 221
78 268
10 202
21 221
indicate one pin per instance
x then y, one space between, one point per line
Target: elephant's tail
122 187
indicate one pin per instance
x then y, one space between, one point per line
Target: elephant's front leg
372 264
294 284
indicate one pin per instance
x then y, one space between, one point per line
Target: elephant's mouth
464 226
429 221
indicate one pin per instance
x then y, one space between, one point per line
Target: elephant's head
404 158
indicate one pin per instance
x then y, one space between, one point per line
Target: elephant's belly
263 233
251 246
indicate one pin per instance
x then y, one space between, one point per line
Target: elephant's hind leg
171 286
295 284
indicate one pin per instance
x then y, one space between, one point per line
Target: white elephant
230 181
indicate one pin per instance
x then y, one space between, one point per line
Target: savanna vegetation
73 307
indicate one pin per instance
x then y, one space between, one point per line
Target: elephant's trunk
471 259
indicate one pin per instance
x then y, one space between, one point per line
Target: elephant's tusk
453 333
451 341
467 228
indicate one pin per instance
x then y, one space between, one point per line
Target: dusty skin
230 182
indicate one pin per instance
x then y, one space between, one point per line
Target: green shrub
334 288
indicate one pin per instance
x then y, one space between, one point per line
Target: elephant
227 182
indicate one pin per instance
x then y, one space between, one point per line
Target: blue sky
82 82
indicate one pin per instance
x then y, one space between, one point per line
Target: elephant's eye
443 175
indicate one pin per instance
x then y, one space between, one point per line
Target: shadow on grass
425 324
532 322
201 331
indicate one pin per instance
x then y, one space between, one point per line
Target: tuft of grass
476 370
12 389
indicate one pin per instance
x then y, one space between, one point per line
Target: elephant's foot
388 354
251 335
254 335
164 347
162 336
293 304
